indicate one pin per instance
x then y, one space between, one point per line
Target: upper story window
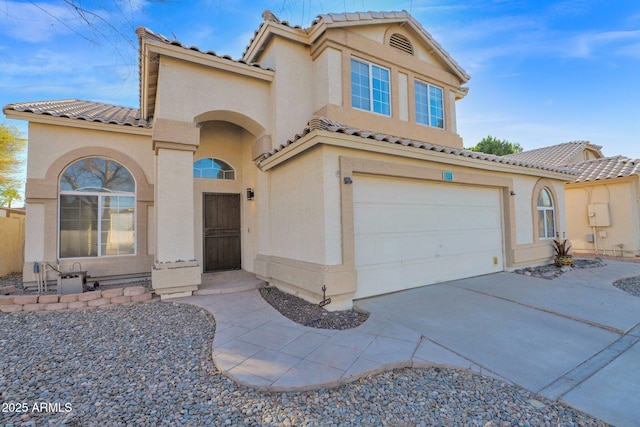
213 169
400 42
97 209
370 89
546 215
429 105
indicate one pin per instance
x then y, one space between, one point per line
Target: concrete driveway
575 338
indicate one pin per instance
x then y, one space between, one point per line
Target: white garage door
411 233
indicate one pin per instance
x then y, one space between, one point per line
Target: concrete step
232 284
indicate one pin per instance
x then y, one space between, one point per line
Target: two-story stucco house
326 156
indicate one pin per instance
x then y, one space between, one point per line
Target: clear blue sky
542 72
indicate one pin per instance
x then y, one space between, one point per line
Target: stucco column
176 272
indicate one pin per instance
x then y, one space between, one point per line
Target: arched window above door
213 169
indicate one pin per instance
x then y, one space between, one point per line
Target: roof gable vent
400 42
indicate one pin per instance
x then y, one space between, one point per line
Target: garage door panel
411 233
392 277
376 218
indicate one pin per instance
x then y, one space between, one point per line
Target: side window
429 105
546 215
370 88
213 169
97 209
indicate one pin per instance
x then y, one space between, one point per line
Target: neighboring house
326 156
602 203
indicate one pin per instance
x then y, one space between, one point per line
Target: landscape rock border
551 271
72 302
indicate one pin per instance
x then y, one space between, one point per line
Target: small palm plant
562 249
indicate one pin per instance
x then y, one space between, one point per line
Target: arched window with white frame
546 215
213 169
97 209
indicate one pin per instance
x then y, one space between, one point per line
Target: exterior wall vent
400 42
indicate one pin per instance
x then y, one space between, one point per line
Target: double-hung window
429 105
370 89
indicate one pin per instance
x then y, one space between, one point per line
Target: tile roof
83 110
338 19
558 155
147 33
325 124
331 18
607 168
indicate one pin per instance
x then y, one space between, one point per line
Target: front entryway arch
225 220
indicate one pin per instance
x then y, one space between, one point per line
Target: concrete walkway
256 346
575 338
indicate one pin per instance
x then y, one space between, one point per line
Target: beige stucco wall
11 244
622 196
44 167
292 96
327 88
381 33
186 91
365 43
297 216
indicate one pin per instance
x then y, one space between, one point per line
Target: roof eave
216 62
319 136
604 181
264 35
76 123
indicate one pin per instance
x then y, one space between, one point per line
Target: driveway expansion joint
548 311
585 370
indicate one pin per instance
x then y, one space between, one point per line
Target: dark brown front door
221 231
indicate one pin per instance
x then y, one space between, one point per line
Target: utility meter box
72 282
599 215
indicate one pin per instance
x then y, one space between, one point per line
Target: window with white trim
429 105
370 88
213 169
97 209
546 215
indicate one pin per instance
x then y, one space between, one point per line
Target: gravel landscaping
630 285
151 364
551 271
312 315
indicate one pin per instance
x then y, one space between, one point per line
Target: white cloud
590 44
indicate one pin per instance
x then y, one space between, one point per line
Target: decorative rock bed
551 271
72 302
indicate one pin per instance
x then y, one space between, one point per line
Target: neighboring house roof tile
84 110
607 168
323 123
559 155
147 33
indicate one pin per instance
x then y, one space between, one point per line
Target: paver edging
75 302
